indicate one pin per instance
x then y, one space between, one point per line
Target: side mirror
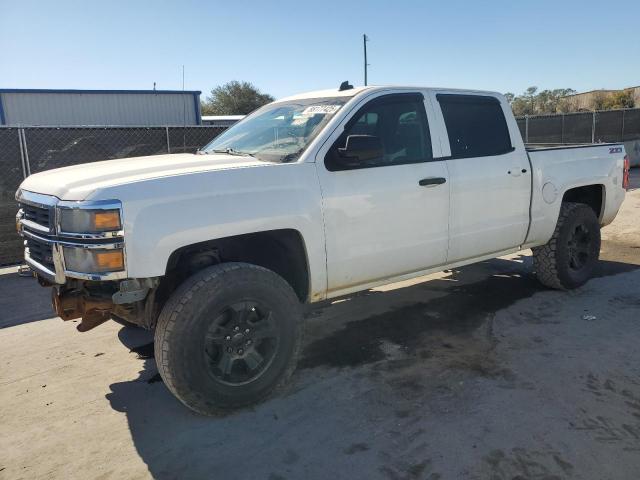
361 148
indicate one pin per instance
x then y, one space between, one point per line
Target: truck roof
335 92
332 92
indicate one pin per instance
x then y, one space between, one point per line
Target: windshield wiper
231 151
291 156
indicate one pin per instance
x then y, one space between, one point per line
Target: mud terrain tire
568 260
228 337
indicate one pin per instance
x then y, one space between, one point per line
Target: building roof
57 107
64 90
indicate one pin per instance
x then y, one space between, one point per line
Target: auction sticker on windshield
321 109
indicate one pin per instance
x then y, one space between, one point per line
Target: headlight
93 260
76 220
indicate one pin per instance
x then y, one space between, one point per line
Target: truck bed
536 147
557 169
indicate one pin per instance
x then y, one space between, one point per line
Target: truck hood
80 181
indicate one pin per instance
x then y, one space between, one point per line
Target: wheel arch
283 251
592 195
545 214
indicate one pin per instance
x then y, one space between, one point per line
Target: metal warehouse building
28 107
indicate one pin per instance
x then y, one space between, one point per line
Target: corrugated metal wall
64 107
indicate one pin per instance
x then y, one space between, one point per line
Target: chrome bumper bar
42 270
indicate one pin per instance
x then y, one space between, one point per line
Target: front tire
228 337
568 260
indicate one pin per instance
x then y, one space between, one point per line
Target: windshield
278 132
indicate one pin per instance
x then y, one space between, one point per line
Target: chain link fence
582 127
10 178
27 150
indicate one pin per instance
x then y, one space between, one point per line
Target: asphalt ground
475 373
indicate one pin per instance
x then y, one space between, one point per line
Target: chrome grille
40 215
40 252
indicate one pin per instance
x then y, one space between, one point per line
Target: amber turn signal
107 220
111 260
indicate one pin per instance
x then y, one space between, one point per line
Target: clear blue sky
284 47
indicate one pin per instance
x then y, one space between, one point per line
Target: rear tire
228 337
568 260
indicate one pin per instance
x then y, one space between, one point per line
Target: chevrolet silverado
308 198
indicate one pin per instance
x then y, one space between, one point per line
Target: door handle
432 181
515 172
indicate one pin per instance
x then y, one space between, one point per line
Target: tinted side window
399 121
475 124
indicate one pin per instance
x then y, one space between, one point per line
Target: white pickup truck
308 198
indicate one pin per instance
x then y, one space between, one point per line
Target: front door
388 215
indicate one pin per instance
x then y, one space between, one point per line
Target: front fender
165 214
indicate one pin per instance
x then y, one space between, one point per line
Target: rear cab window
475 124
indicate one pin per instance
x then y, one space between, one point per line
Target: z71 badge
615 149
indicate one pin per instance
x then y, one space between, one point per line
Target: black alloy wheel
240 343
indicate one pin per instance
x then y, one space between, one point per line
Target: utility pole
364 43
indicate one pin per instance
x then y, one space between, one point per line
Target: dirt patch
521 464
461 311
623 253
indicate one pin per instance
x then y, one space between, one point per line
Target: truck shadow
306 424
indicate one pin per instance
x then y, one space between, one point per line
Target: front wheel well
591 195
282 251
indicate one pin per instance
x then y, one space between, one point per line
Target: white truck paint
571 167
330 209
361 227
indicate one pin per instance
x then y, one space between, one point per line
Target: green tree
551 101
521 107
530 97
234 98
558 100
524 104
532 102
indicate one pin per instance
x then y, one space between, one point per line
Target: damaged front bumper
49 252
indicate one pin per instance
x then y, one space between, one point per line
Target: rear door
386 216
490 178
